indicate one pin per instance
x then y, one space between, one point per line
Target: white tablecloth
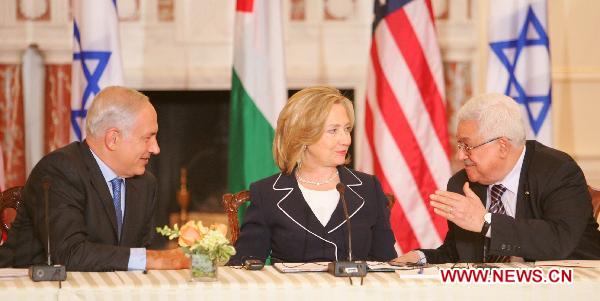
269 284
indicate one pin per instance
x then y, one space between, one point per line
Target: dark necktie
116 188
496 206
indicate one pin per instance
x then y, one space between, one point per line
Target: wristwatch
487 222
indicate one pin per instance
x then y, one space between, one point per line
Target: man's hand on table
173 259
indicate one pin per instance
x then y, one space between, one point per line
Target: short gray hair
114 107
497 115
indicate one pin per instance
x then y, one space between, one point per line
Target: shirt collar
511 181
107 172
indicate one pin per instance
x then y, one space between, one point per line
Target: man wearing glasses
514 199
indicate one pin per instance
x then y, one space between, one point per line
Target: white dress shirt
509 197
321 202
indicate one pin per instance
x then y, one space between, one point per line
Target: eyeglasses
467 149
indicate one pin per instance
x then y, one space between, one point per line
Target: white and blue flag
519 61
96 57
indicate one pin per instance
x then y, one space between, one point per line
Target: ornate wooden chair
595 202
232 202
10 200
391 200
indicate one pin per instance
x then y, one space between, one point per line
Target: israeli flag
519 61
96 57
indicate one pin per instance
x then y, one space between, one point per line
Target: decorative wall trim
33 10
129 10
166 10
591 75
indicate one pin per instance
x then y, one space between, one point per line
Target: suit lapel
132 207
295 208
100 185
293 203
523 195
354 200
480 191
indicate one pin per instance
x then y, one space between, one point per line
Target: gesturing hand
466 211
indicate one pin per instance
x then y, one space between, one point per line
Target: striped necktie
116 188
496 206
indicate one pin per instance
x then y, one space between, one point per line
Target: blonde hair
115 107
302 122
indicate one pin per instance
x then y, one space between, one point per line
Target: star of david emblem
510 54
93 64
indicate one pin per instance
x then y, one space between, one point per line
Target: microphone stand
341 189
348 268
48 271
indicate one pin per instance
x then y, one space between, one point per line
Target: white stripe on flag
418 15
259 57
405 89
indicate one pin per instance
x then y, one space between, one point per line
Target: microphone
341 189
347 268
47 272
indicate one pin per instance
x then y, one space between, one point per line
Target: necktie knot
499 189
116 183
496 193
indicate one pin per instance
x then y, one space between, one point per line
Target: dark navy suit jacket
280 222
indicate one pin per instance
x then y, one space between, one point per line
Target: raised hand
466 211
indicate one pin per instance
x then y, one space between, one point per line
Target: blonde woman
296 215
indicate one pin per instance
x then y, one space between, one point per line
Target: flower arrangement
207 246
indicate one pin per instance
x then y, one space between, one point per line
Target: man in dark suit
102 200
515 199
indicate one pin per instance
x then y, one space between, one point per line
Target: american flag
405 142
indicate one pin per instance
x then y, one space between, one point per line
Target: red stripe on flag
246 6
430 11
403 232
410 47
405 139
